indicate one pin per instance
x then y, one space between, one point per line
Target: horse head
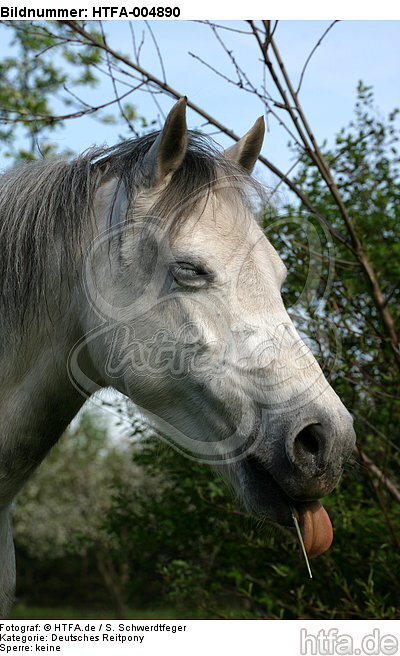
197 334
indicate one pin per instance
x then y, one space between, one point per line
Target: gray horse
142 267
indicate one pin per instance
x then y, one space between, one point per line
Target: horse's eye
187 274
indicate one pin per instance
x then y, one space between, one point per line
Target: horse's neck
37 402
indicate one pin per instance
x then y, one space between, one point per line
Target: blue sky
353 50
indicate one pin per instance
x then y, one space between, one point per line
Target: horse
143 267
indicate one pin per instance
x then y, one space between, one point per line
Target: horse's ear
169 149
246 151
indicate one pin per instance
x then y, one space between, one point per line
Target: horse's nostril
315 455
307 441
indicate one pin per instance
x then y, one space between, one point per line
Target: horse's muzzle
310 464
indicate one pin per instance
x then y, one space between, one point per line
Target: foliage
59 522
40 83
189 547
211 556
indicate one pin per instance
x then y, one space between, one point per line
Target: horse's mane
46 208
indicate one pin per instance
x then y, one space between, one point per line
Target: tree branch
149 77
310 144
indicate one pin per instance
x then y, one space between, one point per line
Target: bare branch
222 27
114 85
328 29
307 137
244 83
45 118
149 77
160 59
378 473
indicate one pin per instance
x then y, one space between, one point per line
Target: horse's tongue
316 528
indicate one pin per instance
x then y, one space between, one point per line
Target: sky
352 51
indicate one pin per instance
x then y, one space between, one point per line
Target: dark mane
46 209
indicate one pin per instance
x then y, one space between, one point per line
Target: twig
222 27
45 118
114 85
149 77
378 473
307 137
160 59
328 29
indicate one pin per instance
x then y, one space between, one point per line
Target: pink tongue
316 529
